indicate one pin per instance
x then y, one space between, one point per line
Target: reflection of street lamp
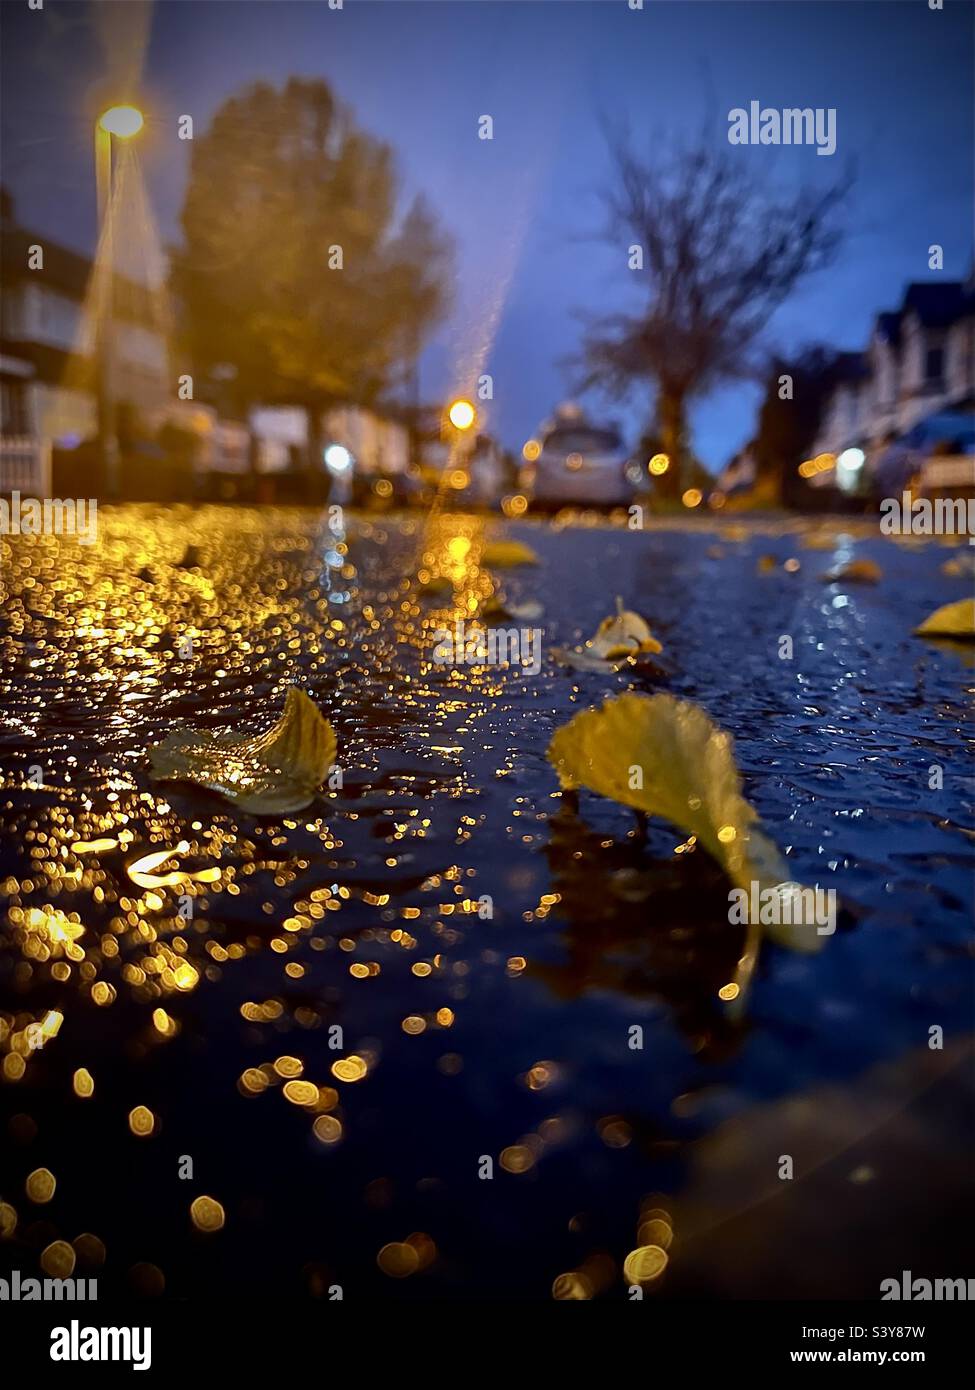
120 122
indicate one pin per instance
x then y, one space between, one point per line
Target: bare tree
720 253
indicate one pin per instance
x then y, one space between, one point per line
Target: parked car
578 464
936 456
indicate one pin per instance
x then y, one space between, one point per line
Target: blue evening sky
419 73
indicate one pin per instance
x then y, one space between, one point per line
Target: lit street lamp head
461 415
122 121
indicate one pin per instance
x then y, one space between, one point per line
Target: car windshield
583 441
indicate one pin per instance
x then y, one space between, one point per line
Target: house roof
938 303
888 327
850 367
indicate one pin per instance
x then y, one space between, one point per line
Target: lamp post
461 415
118 122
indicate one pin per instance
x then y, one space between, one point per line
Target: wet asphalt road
501 1036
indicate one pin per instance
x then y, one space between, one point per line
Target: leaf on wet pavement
689 777
624 634
497 607
619 638
270 774
502 555
960 566
953 620
855 572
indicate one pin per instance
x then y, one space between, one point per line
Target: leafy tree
296 270
720 254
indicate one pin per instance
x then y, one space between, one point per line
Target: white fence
25 465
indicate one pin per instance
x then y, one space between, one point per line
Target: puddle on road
325 1023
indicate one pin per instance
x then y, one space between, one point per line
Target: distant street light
461 415
120 122
337 458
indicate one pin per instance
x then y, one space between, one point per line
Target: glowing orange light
531 450
692 497
461 415
659 464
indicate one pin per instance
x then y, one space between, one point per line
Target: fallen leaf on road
960 566
625 634
687 775
502 555
855 572
617 640
953 620
502 609
436 584
273 773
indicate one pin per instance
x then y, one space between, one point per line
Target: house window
933 364
13 408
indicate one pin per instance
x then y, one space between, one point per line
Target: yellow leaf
501 555
960 566
437 584
270 774
626 634
855 572
953 620
616 640
689 777
497 607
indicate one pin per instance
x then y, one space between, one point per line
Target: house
849 410
48 387
377 441
920 361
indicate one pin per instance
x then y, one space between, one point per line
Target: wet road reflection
277 1056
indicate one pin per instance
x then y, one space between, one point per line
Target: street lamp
120 122
461 415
